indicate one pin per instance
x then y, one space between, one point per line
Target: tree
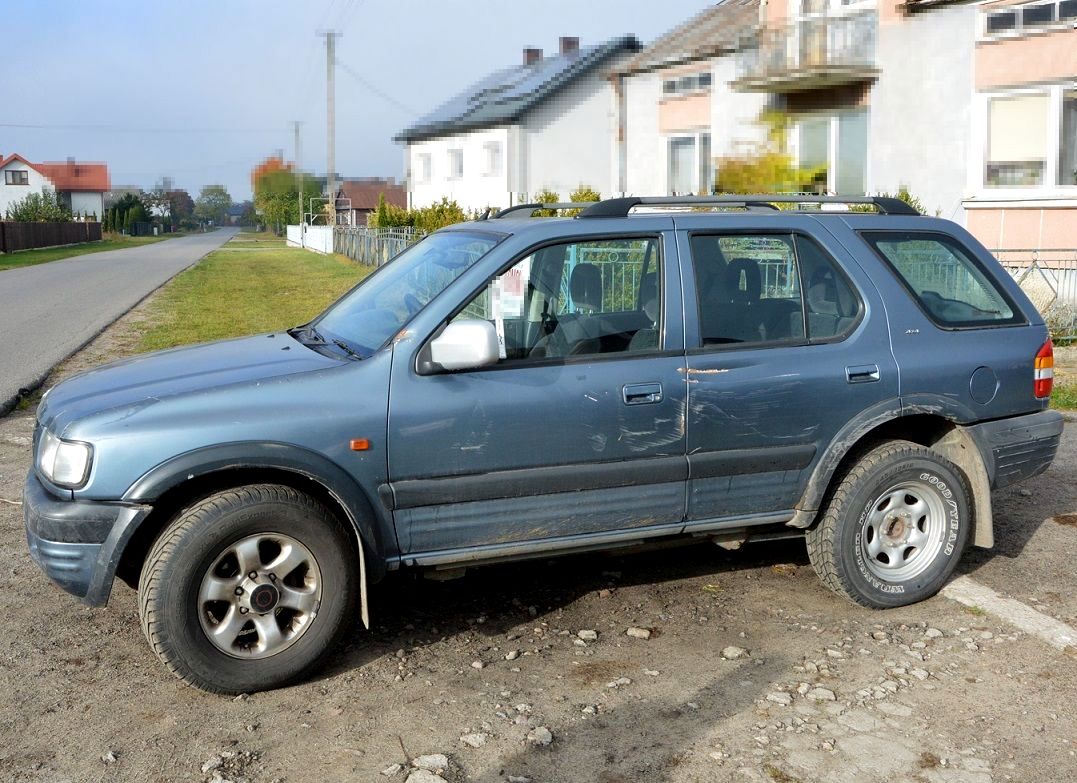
212 204
42 207
159 204
121 212
276 197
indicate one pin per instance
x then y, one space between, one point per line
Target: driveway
49 311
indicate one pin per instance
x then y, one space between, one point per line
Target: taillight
1044 373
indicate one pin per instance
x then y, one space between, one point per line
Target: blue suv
514 387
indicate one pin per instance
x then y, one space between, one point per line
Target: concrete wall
9 194
920 109
645 152
476 189
316 238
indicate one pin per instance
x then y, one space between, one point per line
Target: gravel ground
750 670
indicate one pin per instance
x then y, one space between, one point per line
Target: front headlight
64 462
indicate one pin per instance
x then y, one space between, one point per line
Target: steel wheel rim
259 596
903 531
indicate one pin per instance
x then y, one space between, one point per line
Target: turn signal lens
1044 372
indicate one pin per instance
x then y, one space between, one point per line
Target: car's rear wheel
894 528
248 589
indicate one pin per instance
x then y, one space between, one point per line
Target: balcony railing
810 53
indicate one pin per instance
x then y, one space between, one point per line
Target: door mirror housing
462 345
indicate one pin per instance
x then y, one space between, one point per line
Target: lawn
246 288
1064 396
46 254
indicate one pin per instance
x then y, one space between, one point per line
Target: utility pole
331 131
298 169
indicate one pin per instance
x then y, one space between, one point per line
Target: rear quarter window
945 279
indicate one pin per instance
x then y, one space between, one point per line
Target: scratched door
551 443
791 344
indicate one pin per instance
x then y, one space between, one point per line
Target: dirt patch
1066 519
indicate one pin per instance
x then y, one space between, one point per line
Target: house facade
80 186
676 109
358 197
545 124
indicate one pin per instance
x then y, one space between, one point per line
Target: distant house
81 186
545 124
358 198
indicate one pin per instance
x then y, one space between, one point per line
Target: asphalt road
50 310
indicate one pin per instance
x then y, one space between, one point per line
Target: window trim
1019 29
487 148
450 153
833 143
1017 319
10 180
697 160
506 364
806 340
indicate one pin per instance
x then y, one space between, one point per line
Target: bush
44 207
424 219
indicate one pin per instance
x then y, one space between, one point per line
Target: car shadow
409 610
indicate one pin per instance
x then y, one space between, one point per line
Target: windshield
376 309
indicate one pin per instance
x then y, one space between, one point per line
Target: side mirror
465 345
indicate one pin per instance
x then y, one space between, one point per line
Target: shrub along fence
24 236
373 246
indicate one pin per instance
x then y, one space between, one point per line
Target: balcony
810 54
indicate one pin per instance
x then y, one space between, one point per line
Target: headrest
648 295
743 281
586 287
827 295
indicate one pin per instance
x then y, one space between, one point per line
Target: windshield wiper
346 348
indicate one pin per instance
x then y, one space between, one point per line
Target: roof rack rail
532 208
620 207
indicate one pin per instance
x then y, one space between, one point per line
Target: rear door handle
642 393
862 373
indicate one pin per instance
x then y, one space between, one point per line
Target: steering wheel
412 303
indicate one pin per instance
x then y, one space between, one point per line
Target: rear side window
945 279
769 288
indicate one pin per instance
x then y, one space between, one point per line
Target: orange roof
16 156
73 175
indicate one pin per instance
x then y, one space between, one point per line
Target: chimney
569 44
532 56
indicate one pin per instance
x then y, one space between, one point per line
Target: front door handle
642 393
862 373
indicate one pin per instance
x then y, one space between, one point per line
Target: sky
202 90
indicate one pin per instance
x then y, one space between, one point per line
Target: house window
423 167
691 170
494 158
1067 158
688 84
456 164
835 147
17 177
1029 18
1017 140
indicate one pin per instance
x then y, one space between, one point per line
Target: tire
876 547
209 596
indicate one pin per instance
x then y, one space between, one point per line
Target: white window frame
697 89
696 146
450 154
490 149
982 134
832 157
1020 30
424 164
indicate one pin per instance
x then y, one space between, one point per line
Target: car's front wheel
248 589
894 528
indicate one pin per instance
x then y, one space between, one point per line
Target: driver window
576 299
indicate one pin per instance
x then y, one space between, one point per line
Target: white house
81 186
545 124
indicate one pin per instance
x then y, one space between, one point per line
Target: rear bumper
77 543
1018 448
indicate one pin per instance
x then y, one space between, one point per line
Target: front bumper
78 543
1018 448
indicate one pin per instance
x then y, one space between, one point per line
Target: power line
378 91
132 129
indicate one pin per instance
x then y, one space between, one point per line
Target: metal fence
1049 279
373 246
